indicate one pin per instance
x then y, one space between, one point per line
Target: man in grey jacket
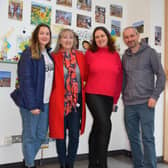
141 90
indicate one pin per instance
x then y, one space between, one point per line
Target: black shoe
62 166
69 166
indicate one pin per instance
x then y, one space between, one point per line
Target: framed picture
5 79
63 17
83 21
139 26
15 9
40 14
158 35
84 4
64 2
100 14
116 27
116 10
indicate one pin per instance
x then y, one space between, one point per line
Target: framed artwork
84 4
116 10
5 79
116 27
40 14
100 14
15 9
64 2
63 17
139 26
158 35
83 21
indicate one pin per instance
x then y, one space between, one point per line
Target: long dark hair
34 42
110 43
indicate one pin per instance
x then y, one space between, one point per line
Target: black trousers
100 107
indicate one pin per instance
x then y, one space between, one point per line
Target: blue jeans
35 128
72 123
140 119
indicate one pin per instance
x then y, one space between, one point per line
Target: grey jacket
140 70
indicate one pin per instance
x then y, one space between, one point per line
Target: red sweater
105 74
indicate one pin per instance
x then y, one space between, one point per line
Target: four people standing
35 75
101 68
67 103
103 87
140 93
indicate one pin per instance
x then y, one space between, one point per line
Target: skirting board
79 157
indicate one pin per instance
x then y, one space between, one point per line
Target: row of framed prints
42 12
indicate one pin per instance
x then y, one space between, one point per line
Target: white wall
152 13
10 122
157 19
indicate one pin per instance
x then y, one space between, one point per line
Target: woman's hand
35 111
115 107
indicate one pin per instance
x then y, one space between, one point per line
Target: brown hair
58 45
110 43
34 42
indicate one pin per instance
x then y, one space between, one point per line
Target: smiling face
131 38
67 40
43 36
101 38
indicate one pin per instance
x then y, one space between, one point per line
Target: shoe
30 167
69 166
62 166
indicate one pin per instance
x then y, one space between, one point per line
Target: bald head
131 38
130 28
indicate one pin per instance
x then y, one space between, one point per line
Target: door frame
165 135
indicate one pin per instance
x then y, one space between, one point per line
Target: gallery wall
17 31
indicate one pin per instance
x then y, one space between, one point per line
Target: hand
35 111
114 108
151 103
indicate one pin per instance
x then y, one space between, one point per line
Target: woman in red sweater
67 101
103 88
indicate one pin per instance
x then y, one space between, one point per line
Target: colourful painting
15 9
40 14
5 79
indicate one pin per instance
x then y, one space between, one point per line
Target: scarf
71 84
